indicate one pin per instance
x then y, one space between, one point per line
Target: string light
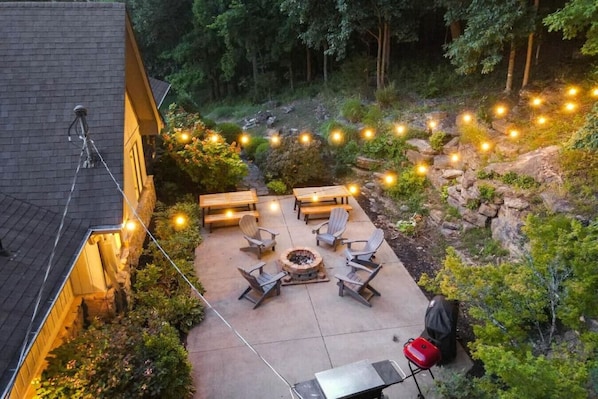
594 92
389 178
455 157
570 107
485 146
500 110
572 91
467 117
536 101
305 138
368 133
541 120
422 169
337 137
513 133
432 124
400 129
275 140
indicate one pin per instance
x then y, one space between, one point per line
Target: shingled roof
28 233
53 57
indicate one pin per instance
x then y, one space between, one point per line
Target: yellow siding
35 359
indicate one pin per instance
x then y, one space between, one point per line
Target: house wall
56 326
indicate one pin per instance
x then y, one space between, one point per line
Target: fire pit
303 265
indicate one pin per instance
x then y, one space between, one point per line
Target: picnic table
227 206
313 196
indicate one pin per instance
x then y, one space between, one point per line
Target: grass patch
480 245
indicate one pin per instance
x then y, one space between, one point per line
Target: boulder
515 203
489 210
506 229
555 202
416 157
450 174
475 218
541 164
422 146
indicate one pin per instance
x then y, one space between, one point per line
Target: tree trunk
308 66
379 61
291 77
528 60
455 27
510 69
325 63
385 53
530 46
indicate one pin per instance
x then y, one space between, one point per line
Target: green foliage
450 384
261 153
230 131
178 241
437 140
408 184
519 181
487 175
473 204
250 149
296 163
586 138
277 187
348 132
373 116
519 309
385 146
574 19
119 360
472 133
213 164
480 245
387 96
353 110
580 169
345 157
487 192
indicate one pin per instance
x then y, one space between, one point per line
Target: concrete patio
308 328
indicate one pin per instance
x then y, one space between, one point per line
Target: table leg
298 210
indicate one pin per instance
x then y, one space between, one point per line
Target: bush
230 131
261 153
519 181
487 192
250 148
472 133
345 158
353 110
373 116
587 136
387 96
408 184
277 187
437 140
296 163
385 146
348 132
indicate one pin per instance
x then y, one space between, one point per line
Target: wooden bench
234 216
322 210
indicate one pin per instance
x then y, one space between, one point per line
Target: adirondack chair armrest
317 228
259 267
354 266
273 233
338 233
274 278
349 242
253 241
347 279
361 253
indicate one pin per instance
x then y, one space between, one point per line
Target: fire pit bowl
303 265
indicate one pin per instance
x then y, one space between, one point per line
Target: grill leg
413 373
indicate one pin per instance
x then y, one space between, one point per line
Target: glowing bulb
536 101
229 213
185 137
500 110
274 206
513 133
570 107
400 130
131 225
244 139
314 197
485 146
305 138
432 124
595 92
467 118
572 91
541 120
275 140
455 157
389 179
180 220
214 138
422 169
337 136
368 133
353 189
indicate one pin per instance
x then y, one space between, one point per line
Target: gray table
359 380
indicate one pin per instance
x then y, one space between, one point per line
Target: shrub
261 153
408 184
353 110
385 146
296 163
348 132
472 133
230 131
277 187
386 96
519 181
437 140
373 116
587 136
487 192
214 165
345 157
250 148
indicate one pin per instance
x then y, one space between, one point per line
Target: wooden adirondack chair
368 250
261 284
253 234
357 283
336 226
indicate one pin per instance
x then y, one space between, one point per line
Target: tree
577 17
519 308
201 152
491 25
